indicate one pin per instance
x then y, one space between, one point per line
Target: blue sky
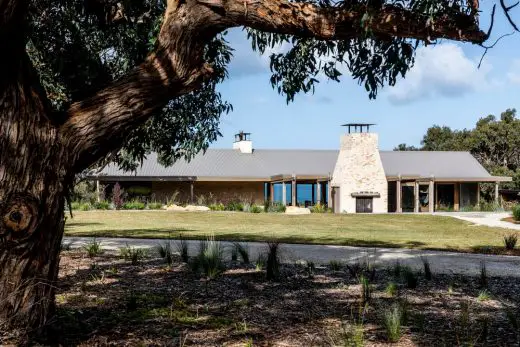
445 87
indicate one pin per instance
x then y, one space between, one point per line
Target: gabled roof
221 164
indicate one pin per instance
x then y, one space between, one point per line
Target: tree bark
39 156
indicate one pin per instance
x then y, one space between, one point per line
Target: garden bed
106 300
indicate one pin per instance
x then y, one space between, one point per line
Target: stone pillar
98 191
497 196
192 192
293 191
431 201
478 194
398 196
416 196
329 194
284 194
271 192
318 192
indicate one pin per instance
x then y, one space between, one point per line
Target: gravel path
441 262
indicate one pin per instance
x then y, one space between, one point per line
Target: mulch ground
106 301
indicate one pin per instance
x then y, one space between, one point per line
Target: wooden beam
284 194
192 192
497 195
398 192
293 192
431 201
416 197
318 192
456 197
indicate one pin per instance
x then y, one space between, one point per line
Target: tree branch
346 22
99 125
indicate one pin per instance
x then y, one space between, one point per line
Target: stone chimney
243 142
359 180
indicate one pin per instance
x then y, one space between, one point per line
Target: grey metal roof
222 163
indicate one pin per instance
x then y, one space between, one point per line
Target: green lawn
412 231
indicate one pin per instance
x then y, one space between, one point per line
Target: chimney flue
243 142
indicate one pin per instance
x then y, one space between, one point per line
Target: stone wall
359 169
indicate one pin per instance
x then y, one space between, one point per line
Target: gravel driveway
441 262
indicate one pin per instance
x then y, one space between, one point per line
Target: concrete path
491 219
441 262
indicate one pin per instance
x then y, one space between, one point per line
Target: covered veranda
298 190
419 194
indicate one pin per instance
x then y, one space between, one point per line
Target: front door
364 205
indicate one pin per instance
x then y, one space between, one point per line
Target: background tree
83 81
494 142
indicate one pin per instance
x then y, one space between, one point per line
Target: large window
364 205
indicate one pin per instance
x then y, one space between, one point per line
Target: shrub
510 241
243 252
93 248
427 269
366 289
255 209
75 205
490 207
155 205
310 268
134 205
165 252
516 213
393 324
320 208
273 261
391 289
86 206
234 206
135 255
267 204
277 207
358 269
234 253
102 205
117 196
410 278
398 268
210 258
335 265
217 207
483 279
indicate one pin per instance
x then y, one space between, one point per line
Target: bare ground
107 301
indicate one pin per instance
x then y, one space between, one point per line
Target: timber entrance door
364 205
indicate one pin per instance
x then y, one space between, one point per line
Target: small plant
310 268
102 205
391 289
255 209
483 295
276 207
93 248
366 289
392 324
134 254
243 252
516 213
117 196
210 258
510 241
357 269
87 206
234 206
155 205
335 265
134 205
398 268
217 207
483 279
273 261
410 278
182 248
427 269
75 205
165 252
319 208
201 200
260 262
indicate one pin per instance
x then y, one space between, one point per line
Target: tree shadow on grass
109 301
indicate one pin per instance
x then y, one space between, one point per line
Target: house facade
357 178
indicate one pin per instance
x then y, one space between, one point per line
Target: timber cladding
221 191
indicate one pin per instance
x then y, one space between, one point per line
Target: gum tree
83 81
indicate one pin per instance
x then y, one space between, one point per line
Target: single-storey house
356 178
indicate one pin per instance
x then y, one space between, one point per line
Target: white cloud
514 72
440 71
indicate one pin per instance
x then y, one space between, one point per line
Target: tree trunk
32 187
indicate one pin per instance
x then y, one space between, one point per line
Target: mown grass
410 231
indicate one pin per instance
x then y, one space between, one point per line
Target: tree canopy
494 141
81 46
